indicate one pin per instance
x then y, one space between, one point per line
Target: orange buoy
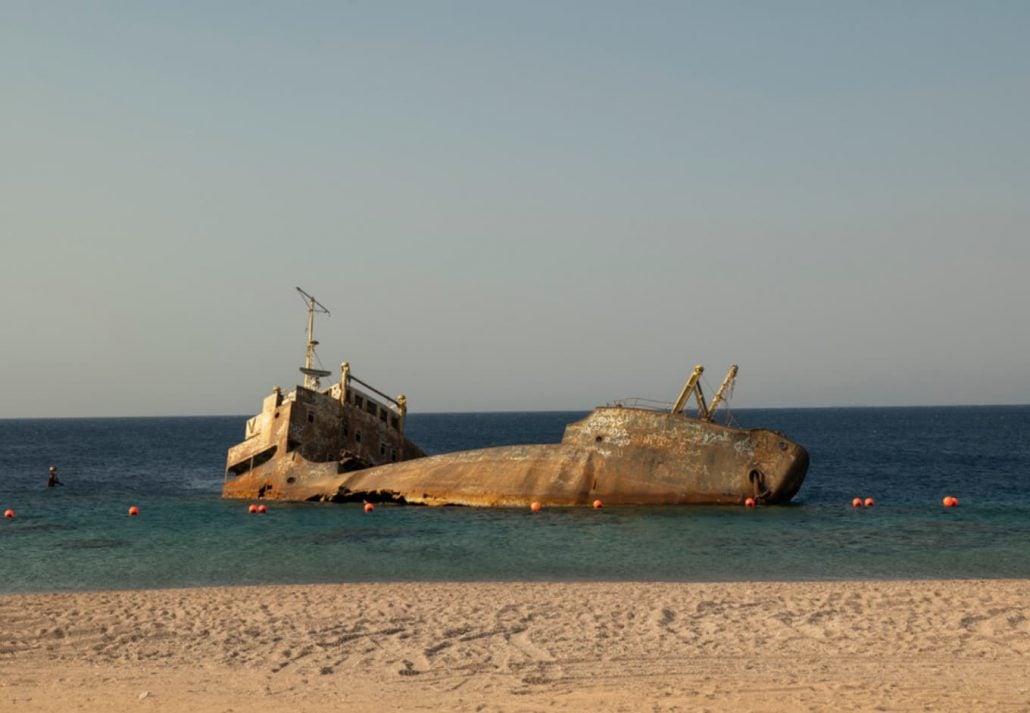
369 507
949 501
9 514
598 504
262 508
133 511
869 502
856 503
252 509
535 506
749 502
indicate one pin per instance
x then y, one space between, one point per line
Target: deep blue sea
79 536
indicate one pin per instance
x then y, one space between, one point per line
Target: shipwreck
346 443
619 454
303 441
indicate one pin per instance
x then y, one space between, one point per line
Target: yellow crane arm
720 395
688 388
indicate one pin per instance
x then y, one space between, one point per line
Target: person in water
52 480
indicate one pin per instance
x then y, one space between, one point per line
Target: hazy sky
513 205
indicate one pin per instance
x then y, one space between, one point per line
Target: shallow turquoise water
80 537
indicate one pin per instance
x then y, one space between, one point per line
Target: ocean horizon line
838 407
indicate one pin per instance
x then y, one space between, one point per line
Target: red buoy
133 511
535 506
749 502
9 514
369 507
598 504
252 509
856 503
262 508
869 502
949 501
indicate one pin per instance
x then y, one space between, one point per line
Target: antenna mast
312 375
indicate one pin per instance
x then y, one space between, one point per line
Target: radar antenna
312 375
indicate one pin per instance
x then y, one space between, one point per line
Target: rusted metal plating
316 446
617 454
622 456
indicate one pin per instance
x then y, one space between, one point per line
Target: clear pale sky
513 205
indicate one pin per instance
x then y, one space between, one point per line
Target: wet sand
869 646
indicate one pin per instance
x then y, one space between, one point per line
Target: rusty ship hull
343 444
619 455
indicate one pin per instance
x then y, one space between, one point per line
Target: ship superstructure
302 437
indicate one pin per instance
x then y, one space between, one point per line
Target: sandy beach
891 646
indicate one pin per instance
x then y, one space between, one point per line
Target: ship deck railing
640 402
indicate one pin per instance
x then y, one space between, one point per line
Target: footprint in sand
409 669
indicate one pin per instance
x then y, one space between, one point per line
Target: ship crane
705 412
311 374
